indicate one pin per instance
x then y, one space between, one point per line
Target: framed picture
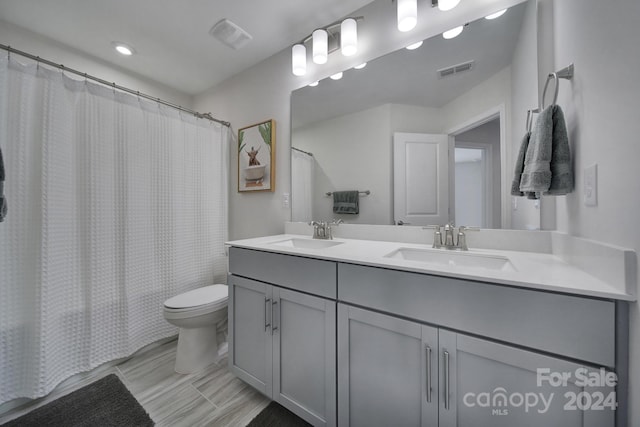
256 157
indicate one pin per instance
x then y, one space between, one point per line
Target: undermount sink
307 243
439 257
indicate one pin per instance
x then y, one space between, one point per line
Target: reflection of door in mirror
477 176
420 178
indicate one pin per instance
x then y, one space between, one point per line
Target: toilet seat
197 301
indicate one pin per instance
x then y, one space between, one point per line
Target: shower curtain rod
207 116
302 151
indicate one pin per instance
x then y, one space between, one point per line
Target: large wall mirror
429 133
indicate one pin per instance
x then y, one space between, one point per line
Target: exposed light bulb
454 32
123 48
415 45
299 60
349 37
445 5
361 66
314 84
336 76
498 14
320 46
407 14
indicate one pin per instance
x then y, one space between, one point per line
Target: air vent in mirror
456 69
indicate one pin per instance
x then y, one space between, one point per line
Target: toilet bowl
197 313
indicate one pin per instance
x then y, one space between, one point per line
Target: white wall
35 44
601 110
364 163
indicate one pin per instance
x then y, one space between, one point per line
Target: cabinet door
387 370
485 384
250 343
304 355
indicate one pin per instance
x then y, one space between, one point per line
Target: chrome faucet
448 242
322 230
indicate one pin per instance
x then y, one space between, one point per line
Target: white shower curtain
302 171
115 204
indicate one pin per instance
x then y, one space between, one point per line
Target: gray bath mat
275 415
106 402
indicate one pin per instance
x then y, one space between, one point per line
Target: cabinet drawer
312 276
580 328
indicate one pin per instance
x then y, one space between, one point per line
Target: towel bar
365 192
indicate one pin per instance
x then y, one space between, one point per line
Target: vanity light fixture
299 60
349 37
341 35
445 5
320 46
314 84
336 76
414 45
123 48
407 14
498 14
361 66
452 33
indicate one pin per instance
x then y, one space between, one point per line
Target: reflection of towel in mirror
346 202
3 200
547 164
517 173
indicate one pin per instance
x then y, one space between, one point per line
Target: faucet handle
437 235
462 238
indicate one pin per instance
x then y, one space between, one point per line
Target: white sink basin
307 243
440 257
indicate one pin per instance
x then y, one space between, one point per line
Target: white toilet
197 313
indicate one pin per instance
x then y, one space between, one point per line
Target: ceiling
171 37
411 77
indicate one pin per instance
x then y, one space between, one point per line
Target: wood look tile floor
213 397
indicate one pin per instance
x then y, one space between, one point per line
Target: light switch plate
285 200
591 185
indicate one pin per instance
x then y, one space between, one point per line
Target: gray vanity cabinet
387 370
486 384
281 341
392 371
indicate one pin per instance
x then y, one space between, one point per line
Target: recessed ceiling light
123 48
336 76
454 32
498 14
361 66
314 84
415 45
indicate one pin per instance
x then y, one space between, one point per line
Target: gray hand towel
517 173
3 200
536 176
561 171
547 165
346 202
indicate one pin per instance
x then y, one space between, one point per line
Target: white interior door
420 178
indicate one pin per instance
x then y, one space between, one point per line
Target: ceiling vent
456 69
230 34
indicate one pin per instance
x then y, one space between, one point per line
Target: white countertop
532 270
